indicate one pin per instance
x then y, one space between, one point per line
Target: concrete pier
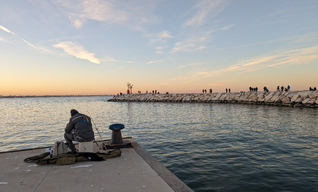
277 98
134 170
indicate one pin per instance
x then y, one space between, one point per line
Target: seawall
276 98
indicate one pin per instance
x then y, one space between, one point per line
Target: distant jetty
31 96
276 98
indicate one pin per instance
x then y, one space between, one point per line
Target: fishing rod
98 134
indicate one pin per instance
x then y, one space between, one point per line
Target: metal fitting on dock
116 138
116 133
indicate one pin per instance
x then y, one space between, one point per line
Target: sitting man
78 129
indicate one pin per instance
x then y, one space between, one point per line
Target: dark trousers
69 137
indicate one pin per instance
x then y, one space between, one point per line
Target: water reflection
211 147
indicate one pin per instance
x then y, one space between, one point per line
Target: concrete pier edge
173 181
308 99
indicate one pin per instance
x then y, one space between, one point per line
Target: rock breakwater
277 98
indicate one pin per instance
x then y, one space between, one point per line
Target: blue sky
96 46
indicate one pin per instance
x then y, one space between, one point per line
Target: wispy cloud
78 51
191 44
206 9
28 43
192 64
227 27
79 11
160 49
165 34
8 31
160 39
110 59
304 38
3 40
282 58
198 39
157 61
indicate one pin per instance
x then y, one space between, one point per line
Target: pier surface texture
134 170
276 98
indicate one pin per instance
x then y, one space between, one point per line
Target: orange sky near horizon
96 47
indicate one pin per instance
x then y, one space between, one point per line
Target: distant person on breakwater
288 87
278 88
78 129
210 90
229 90
226 90
282 88
314 89
310 89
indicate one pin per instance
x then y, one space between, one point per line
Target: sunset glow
95 47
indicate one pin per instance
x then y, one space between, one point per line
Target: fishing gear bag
59 148
71 158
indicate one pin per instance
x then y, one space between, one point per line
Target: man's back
82 126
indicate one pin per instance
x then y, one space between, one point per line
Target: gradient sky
59 47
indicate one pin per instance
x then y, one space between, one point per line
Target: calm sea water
210 147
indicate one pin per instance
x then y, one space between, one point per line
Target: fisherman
78 129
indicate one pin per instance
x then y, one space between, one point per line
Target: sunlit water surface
210 147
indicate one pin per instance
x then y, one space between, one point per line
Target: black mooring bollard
116 133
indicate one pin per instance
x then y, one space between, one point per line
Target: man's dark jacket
82 126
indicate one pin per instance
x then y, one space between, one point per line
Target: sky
95 47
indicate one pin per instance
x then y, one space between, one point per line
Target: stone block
295 97
305 94
269 96
277 100
306 101
262 100
285 100
313 94
299 100
311 102
273 98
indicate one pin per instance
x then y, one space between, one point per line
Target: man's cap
73 112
